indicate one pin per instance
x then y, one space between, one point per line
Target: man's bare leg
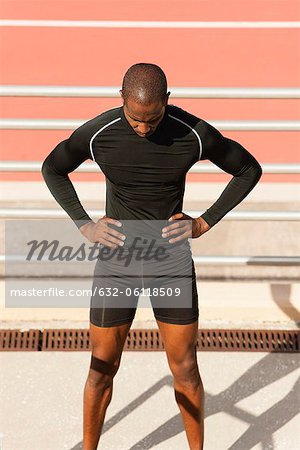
107 346
180 344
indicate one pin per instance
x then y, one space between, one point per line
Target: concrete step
221 304
228 238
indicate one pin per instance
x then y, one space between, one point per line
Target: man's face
144 119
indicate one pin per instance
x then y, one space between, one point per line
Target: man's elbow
257 171
45 168
251 173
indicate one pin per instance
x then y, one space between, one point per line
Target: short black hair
144 83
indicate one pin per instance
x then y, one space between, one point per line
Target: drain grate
281 341
144 340
19 340
249 340
66 340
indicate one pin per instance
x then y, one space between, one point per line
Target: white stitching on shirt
193 130
99 131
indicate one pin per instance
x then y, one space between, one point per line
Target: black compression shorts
121 276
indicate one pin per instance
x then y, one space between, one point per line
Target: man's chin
145 135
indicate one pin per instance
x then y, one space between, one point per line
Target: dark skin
180 345
179 340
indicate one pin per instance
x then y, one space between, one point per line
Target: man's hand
103 233
186 226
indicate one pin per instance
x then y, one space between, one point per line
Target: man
145 148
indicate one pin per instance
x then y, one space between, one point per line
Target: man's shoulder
83 135
183 115
103 119
201 126
110 114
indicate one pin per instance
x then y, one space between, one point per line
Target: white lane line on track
144 24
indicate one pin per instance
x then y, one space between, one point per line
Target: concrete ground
252 399
252 402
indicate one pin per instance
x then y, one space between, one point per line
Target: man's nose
143 128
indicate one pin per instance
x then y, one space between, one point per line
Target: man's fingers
115 234
181 237
176 226
109 241
108 244
175 231
111 231
107 235
112 221
176 216
109 238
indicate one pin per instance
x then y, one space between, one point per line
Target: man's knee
102 372
185 370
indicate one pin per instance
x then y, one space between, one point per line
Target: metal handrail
247 260
48 213
149 24
35 166
199 260
229 125
176 92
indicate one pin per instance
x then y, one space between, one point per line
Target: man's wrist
85 226
203 224
206 217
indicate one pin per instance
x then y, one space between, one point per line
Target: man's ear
167 96
122 96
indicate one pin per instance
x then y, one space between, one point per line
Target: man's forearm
236 190
64 193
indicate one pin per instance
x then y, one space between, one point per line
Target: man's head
145 96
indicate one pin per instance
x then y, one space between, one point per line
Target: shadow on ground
261 428
281 294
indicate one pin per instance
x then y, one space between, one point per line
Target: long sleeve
234 159
65 158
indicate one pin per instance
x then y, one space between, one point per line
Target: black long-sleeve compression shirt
145 176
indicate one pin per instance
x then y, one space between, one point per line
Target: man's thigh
172 287
115 293
176 301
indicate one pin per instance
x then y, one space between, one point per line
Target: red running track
190 57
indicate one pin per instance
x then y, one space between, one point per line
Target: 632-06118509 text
155 292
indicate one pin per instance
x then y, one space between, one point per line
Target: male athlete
145 148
